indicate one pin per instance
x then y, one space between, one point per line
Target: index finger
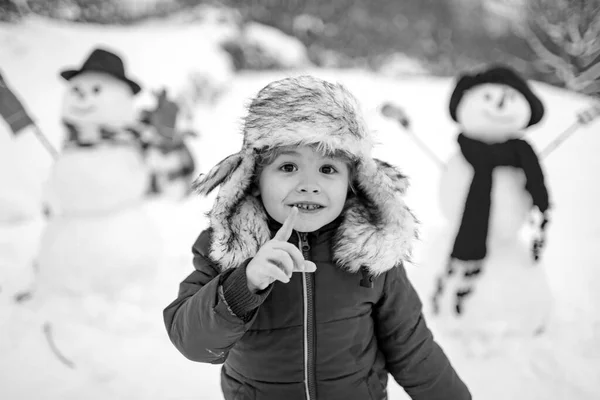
285 231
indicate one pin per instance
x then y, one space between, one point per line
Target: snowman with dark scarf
101 246
494 285
101 166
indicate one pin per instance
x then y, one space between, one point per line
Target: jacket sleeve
213 310
413 358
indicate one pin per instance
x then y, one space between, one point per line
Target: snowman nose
502 99
80 93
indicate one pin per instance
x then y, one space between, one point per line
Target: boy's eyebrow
292 152
289 153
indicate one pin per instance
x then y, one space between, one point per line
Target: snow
134 360
288 50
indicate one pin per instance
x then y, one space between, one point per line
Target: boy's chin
309 226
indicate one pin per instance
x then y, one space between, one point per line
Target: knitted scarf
470 242
126 136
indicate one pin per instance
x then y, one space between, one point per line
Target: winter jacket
328 335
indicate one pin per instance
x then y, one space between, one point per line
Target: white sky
140 363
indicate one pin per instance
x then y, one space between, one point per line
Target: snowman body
511 296
511 204
100 244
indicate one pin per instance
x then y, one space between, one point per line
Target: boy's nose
308 187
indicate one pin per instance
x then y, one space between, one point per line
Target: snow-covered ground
140 363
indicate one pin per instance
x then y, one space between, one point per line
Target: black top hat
502 75
103 61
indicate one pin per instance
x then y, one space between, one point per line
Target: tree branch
563 68
590 75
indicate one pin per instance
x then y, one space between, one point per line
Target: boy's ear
206 183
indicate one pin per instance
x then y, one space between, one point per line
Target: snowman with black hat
101 245
101 167
493 283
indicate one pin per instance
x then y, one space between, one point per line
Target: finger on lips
281 242
284 233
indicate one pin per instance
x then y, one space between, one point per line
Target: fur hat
377 227
501 75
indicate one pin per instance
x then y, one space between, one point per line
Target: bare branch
554 31
592 89
576 45
564 35
591 36
592 57
562 67
590 75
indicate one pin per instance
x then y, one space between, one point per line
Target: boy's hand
277 259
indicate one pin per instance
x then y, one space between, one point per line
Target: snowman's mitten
539 240
12 110
466 271
588 115
395 112
469 272
440 284
164 116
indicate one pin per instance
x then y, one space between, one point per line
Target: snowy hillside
140 363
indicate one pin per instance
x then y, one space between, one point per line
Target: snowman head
99 93
97 98
495 105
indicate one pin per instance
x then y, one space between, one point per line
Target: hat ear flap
377 223
206 183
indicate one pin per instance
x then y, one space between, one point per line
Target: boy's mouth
307 206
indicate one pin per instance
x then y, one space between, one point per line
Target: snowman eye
96 89
76 90
487 96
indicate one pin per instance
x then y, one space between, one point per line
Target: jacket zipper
308 280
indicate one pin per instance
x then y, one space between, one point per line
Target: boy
299 287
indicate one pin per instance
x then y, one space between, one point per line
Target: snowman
493 285
169 156
100 247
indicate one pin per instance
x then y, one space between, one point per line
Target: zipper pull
304 246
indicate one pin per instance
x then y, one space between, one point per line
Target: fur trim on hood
377 228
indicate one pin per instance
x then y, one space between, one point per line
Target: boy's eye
288 168
328 169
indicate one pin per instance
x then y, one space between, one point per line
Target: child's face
302 177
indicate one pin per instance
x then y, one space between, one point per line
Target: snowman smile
498 118
83 110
